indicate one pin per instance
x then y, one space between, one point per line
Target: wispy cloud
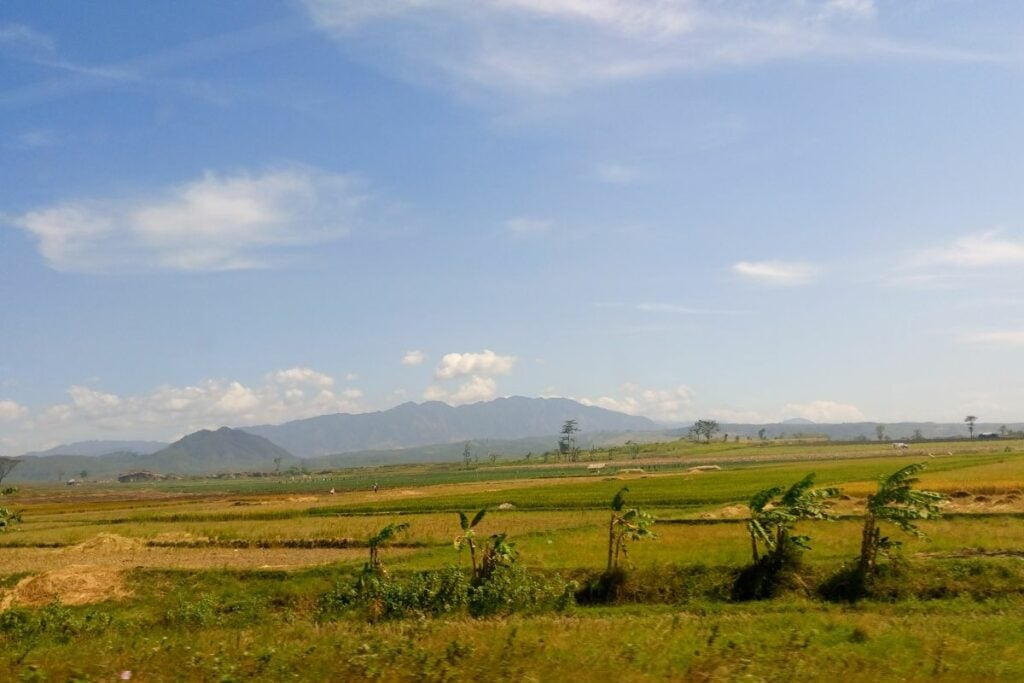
413 358
217 222
994 338
777 272
527 227
24 44
553 46
824 411
980 250
38 138
616 174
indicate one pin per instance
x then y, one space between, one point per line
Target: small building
988 436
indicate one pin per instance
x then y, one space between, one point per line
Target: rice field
230 570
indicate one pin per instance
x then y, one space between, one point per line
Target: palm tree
895 502
468 537
377 540
970 420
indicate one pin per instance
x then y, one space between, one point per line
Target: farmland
225 579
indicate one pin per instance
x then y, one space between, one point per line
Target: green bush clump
511 588
387 597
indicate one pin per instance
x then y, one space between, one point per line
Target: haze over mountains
420 424
411 432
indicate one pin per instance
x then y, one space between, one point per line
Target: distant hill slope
215 451
203 452
93 448
420 424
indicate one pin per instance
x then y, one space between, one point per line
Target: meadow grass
232 613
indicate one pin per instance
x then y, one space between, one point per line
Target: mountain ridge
410 425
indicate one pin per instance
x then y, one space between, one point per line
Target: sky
246 212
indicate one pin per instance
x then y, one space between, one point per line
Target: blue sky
248 212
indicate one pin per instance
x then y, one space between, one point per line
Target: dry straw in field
77 584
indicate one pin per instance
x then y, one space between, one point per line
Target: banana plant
8 518
377 540
467 539
898 503
775 511
499 553
624 526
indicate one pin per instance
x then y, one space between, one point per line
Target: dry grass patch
77 584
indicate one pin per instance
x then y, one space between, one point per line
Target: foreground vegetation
634 574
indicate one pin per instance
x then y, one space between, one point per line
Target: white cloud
218 222
670 405
11 411
980 250
300 376
477 388
413 358
169 412
616 174
553 46
777 272
351 377
998 338
524 227
485 363
824 411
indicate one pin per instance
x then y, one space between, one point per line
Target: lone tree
6 465
895 502
880 432
467 456
567 442
970 420
705 428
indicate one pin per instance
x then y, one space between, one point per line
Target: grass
211 611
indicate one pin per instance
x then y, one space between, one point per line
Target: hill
202 452
93 448
413 425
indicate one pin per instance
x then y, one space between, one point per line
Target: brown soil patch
77 584
727 512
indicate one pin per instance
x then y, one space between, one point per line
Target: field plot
245 580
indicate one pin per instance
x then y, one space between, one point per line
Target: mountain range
424 432
419 424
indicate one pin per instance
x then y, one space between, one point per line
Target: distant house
133 477
988 436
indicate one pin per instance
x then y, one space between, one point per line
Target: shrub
510 588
